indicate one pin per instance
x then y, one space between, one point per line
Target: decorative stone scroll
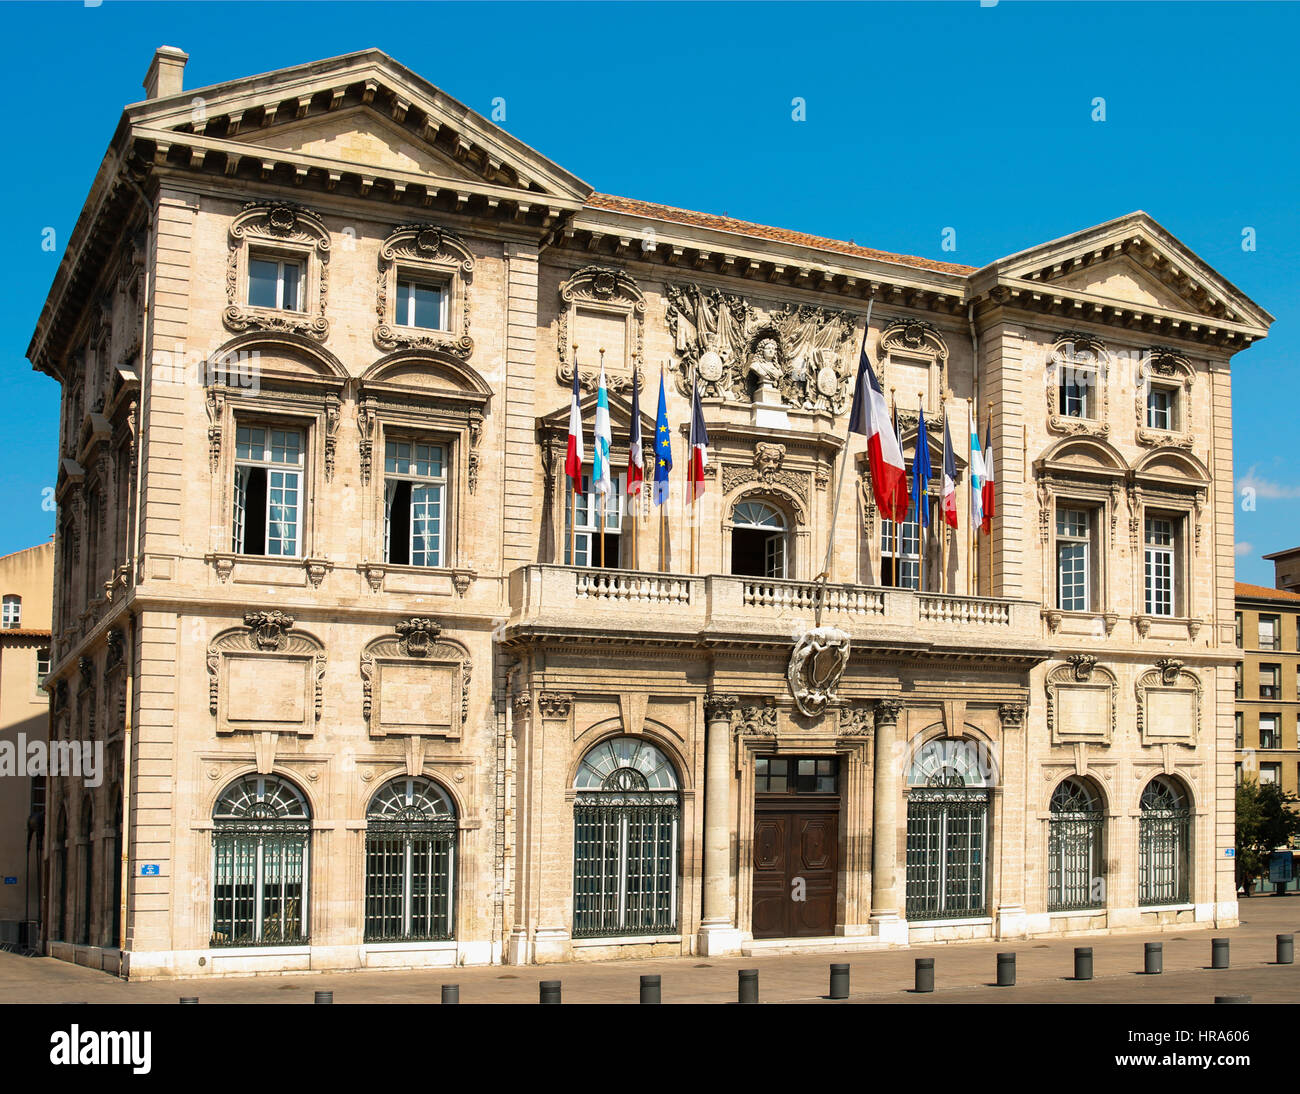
602 290
916 341
816 666
1082 701
1168 368
415 682
1087 355
284 228
732 346
1169 704
427 249
265 676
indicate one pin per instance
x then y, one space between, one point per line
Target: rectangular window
1270 681
1270 630
1161 402
583 548
1270 774
421 305
1159 566
901 547
1238 774
1240 734
1268 731
795 775
415 510
274 283
268 491
1073 391
13 612
42 666
1237 672
1073 559
1239 632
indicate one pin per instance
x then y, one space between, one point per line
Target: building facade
377 690
26 581
1268 679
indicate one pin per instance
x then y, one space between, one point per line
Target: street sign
10 880
1230 852
149 869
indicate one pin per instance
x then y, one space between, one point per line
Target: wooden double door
796 866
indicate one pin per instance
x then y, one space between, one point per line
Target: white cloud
1243 549
1266 488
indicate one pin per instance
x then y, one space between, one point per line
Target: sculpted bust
765 365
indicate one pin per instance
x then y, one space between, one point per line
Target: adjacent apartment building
26 589
375 689
1268 685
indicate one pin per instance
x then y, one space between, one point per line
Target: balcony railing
576 599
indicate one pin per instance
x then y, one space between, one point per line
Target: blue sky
920 117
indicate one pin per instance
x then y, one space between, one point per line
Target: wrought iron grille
409 871
624 864
947 863
1074 860
260 883
1163 838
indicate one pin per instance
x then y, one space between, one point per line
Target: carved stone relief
265 676
425 248
1082 701
281 225
605 290
415 682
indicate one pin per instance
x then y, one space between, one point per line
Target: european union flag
921 471
663 447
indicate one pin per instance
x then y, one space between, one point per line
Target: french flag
949 478
635 456
986 526
699 441
573 458
870 417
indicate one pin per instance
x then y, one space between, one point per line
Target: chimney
166 73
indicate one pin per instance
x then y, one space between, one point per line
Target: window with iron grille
1074 867
947 834
410 862
625 850
1164 836
261 843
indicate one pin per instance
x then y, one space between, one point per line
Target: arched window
625 822
1164 837
12 612
1074 859
260 861
947 831
410 862
758 540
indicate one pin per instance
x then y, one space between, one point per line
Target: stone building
26 580
376 691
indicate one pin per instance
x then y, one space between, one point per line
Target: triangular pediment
1131 263
362 110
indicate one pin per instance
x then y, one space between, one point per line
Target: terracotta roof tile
1263 592
763 231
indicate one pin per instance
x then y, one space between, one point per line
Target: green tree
1266 820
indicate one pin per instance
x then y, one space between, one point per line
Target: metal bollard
1232 998
747 988
1083 962
548 991
1218 953
924 974
195 998
839 982
1285 949
451 993
1006 970
1154 958
650 992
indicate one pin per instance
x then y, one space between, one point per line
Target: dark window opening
399 528
254 510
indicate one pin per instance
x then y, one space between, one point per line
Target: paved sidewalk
964 973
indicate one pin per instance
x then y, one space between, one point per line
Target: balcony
714 609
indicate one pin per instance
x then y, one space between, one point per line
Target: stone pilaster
1011 917
718 932
886 903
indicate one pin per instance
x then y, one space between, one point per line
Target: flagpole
839 488
921 499
574 486
972 541
898 535
632 498
690 464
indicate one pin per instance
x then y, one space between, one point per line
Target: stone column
1012 921
718 932
886 922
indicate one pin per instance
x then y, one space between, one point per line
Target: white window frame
295 471
1274 727
1160 565
587 527
776 550
425 481
1275 629
12 612
1074 539
1170 410
281 261
412 279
